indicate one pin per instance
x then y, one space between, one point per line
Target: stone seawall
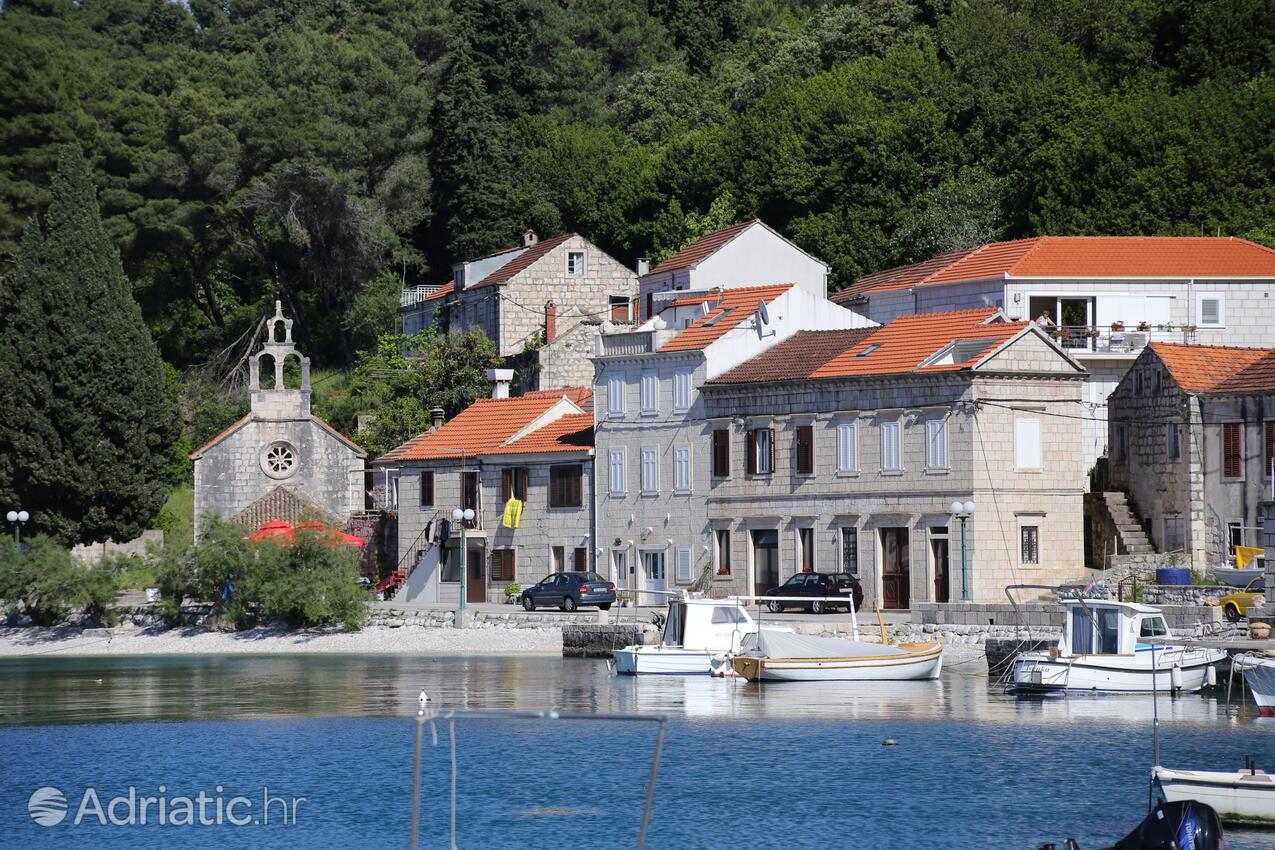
596 640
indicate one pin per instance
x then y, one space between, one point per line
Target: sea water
319 752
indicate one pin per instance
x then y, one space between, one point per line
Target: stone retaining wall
1183 594
394 618
597 640
1004 620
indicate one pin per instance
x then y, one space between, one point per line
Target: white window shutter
650 389
682 469
617 470
936 444
684 565
1027 444
890 450
615 395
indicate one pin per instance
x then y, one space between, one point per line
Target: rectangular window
1174 533
721 453
1233 450
619 308
681 392
502 565
615 469
650 390
761 451
723 551
848 447
575 263
1121 448
683 566
1210 310
566 485
891 452
650 471
806 549
1027 444
469 494
557 559
615 395
1268 456
1173 441
1030 535
850 550
936 444
681 470
1235 534
427 489
513 484
580 560
805 445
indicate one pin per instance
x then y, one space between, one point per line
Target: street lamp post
18 518
463 517
963 511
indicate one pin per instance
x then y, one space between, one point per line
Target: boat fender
1210 676
1175 677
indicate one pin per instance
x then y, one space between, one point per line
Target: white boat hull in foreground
1259 672
1239 796
662 660
1176 669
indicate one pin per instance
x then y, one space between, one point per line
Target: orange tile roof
569 433
521 262
795 357
1203 368
1257 377
442 291
701 248
487 426
732 307
1145 257
905 343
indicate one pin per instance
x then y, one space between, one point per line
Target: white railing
1130 340
638 342
415 295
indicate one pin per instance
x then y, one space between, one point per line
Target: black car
569 591
827 591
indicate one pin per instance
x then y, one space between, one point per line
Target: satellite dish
762 313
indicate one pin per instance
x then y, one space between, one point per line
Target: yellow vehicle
1235 605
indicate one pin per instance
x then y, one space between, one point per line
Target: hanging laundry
444 530
513 513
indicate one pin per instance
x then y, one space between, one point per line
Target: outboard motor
1184 825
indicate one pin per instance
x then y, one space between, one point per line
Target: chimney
644 266
551 321
500 380
529 238
436 413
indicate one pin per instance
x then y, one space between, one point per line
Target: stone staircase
1133 540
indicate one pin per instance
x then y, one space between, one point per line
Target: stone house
564 286
653 471
280 462
1106 297
1193 444
842 451
747 254
537 447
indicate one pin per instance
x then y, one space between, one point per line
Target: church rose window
279 460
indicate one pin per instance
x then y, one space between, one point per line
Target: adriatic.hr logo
48 806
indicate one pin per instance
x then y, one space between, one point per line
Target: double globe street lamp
18 519
463 519
963 511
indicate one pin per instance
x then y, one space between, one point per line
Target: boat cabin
1097 627
707 624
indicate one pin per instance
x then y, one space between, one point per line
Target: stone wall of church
231 474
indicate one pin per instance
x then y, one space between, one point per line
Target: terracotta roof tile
1257 377
442 291
732 307
795 357
1203 368
1145 257
569 433
521 262
702 248
908 341
486 426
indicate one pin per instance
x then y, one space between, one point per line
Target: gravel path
479 640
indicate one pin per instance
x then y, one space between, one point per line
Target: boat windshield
675 628
1095 624
1153 627
728 614
1109 631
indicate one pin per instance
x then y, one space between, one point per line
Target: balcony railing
415 295
1108 340
638 342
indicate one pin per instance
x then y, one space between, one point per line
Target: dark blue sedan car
569 591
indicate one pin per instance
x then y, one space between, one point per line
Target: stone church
280 462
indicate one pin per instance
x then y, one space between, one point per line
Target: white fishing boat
772 656
1240 796
1259 672
699 636
1114 646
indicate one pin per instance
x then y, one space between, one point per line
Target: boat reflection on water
1127 708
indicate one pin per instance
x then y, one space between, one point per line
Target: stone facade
278 444
564 360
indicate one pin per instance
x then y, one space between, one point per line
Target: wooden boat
698 636
1240 796
773 656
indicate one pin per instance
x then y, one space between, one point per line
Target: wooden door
895 576
941 560
476 580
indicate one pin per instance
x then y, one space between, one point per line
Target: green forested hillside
331 151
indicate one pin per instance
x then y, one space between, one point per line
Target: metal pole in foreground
965 583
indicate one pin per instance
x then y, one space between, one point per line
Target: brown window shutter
772 449
1270 445
721 453
577 487
752 452
805 459
1231 449
506 485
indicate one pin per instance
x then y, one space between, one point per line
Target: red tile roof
1205 368
795 357
522 262
1144 257
568 433
702 248
1257 377
731 308
904 344
442 291
489 424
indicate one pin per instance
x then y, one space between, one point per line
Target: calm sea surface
745 766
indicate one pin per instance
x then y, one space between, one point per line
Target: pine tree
85 426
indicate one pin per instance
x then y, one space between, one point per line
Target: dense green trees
86 424
320 152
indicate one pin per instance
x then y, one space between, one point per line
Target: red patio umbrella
286 532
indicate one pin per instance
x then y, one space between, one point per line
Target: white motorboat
1259 672
1240 796
1236 576
699 636
771 655
1113 646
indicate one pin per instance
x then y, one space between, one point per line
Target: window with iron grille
805 450
850 550
1031 543
565 486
